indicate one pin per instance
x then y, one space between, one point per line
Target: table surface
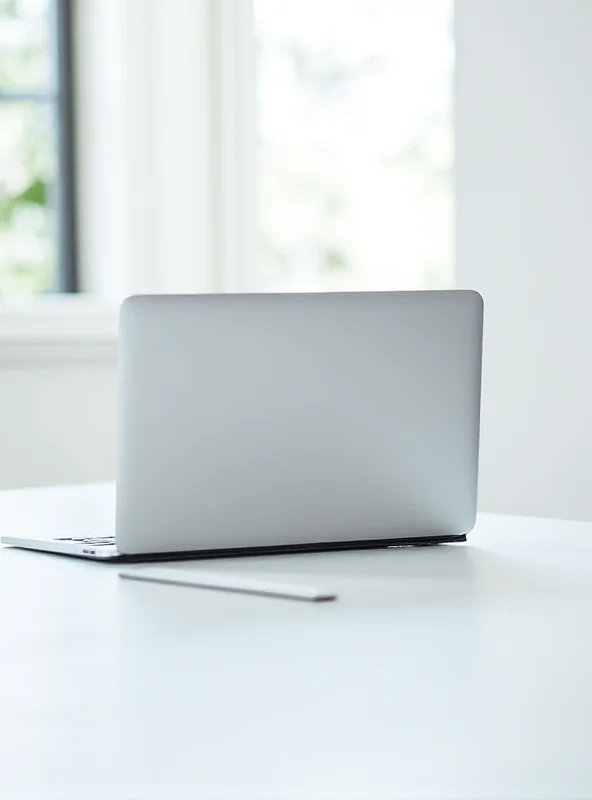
459 671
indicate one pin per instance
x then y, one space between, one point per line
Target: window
354 125
226 145
37 232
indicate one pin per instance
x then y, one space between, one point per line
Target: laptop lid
268 420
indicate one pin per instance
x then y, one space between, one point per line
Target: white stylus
228 582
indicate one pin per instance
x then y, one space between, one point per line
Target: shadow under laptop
395 579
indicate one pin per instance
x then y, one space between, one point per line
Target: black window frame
66 278
60 98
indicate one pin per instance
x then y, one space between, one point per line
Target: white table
461 671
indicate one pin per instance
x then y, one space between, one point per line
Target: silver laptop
273 423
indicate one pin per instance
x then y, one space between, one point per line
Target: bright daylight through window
36 204
355 144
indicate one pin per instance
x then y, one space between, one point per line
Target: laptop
272 423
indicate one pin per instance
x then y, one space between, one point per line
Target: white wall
524 188
57 421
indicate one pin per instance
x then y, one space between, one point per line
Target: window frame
59 98
121 173
65 178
